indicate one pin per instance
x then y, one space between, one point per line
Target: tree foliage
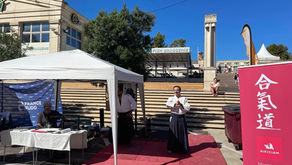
279 50
178 43
159 41
10 47
119 37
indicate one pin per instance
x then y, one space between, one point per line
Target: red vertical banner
266 114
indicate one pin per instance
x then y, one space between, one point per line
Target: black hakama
178 136
125 128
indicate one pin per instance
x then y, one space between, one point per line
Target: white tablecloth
52 141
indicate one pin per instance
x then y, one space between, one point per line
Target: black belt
123 113
177 115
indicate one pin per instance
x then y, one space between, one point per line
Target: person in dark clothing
235 78
178 135
49 118
125 107
219 69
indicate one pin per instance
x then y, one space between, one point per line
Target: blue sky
270 21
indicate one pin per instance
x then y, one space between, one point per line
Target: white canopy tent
266 57
74 65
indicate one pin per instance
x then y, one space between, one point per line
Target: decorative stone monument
209 61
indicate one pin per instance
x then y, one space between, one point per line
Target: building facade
234 64
45 26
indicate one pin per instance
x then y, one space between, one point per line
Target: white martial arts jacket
176 109
127 104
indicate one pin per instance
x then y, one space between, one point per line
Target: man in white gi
178 135
125 107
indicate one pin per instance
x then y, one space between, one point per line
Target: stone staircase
227 82
206 110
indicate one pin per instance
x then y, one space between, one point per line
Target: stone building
45 26
234 64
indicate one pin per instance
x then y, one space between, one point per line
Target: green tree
120 38
178 43
159 41
10 47
279 50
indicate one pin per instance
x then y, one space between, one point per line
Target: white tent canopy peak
264 54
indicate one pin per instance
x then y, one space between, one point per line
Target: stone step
191 125
155 125
152 105
154 102
149 92
193 96
204 94
193 113
162 117
193 102
200 123
148 98
147 106
150 112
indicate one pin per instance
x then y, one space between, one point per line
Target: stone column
209 61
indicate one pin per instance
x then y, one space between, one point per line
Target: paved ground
232 156
15 154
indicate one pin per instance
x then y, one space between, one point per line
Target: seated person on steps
215 85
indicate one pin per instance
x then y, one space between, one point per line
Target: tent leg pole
4 153
135 120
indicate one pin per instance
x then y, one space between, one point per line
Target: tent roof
263 54
71 65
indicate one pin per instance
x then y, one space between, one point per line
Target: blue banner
25 101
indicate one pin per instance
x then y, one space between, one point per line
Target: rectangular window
45 26
78 45
73 43
74 33
68 30
36 27
36 37
26 38
36 32
73 37
4 28
45 37
26 27
68 40
79 36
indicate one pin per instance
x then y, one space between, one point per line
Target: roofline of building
66 3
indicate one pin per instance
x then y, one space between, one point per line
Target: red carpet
203 151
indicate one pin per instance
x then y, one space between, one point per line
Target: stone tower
210 44
210 37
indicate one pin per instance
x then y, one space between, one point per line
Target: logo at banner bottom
269 148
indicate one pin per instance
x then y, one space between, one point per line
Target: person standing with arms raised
178 135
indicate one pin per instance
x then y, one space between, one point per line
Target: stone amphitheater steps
227 81
206 110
